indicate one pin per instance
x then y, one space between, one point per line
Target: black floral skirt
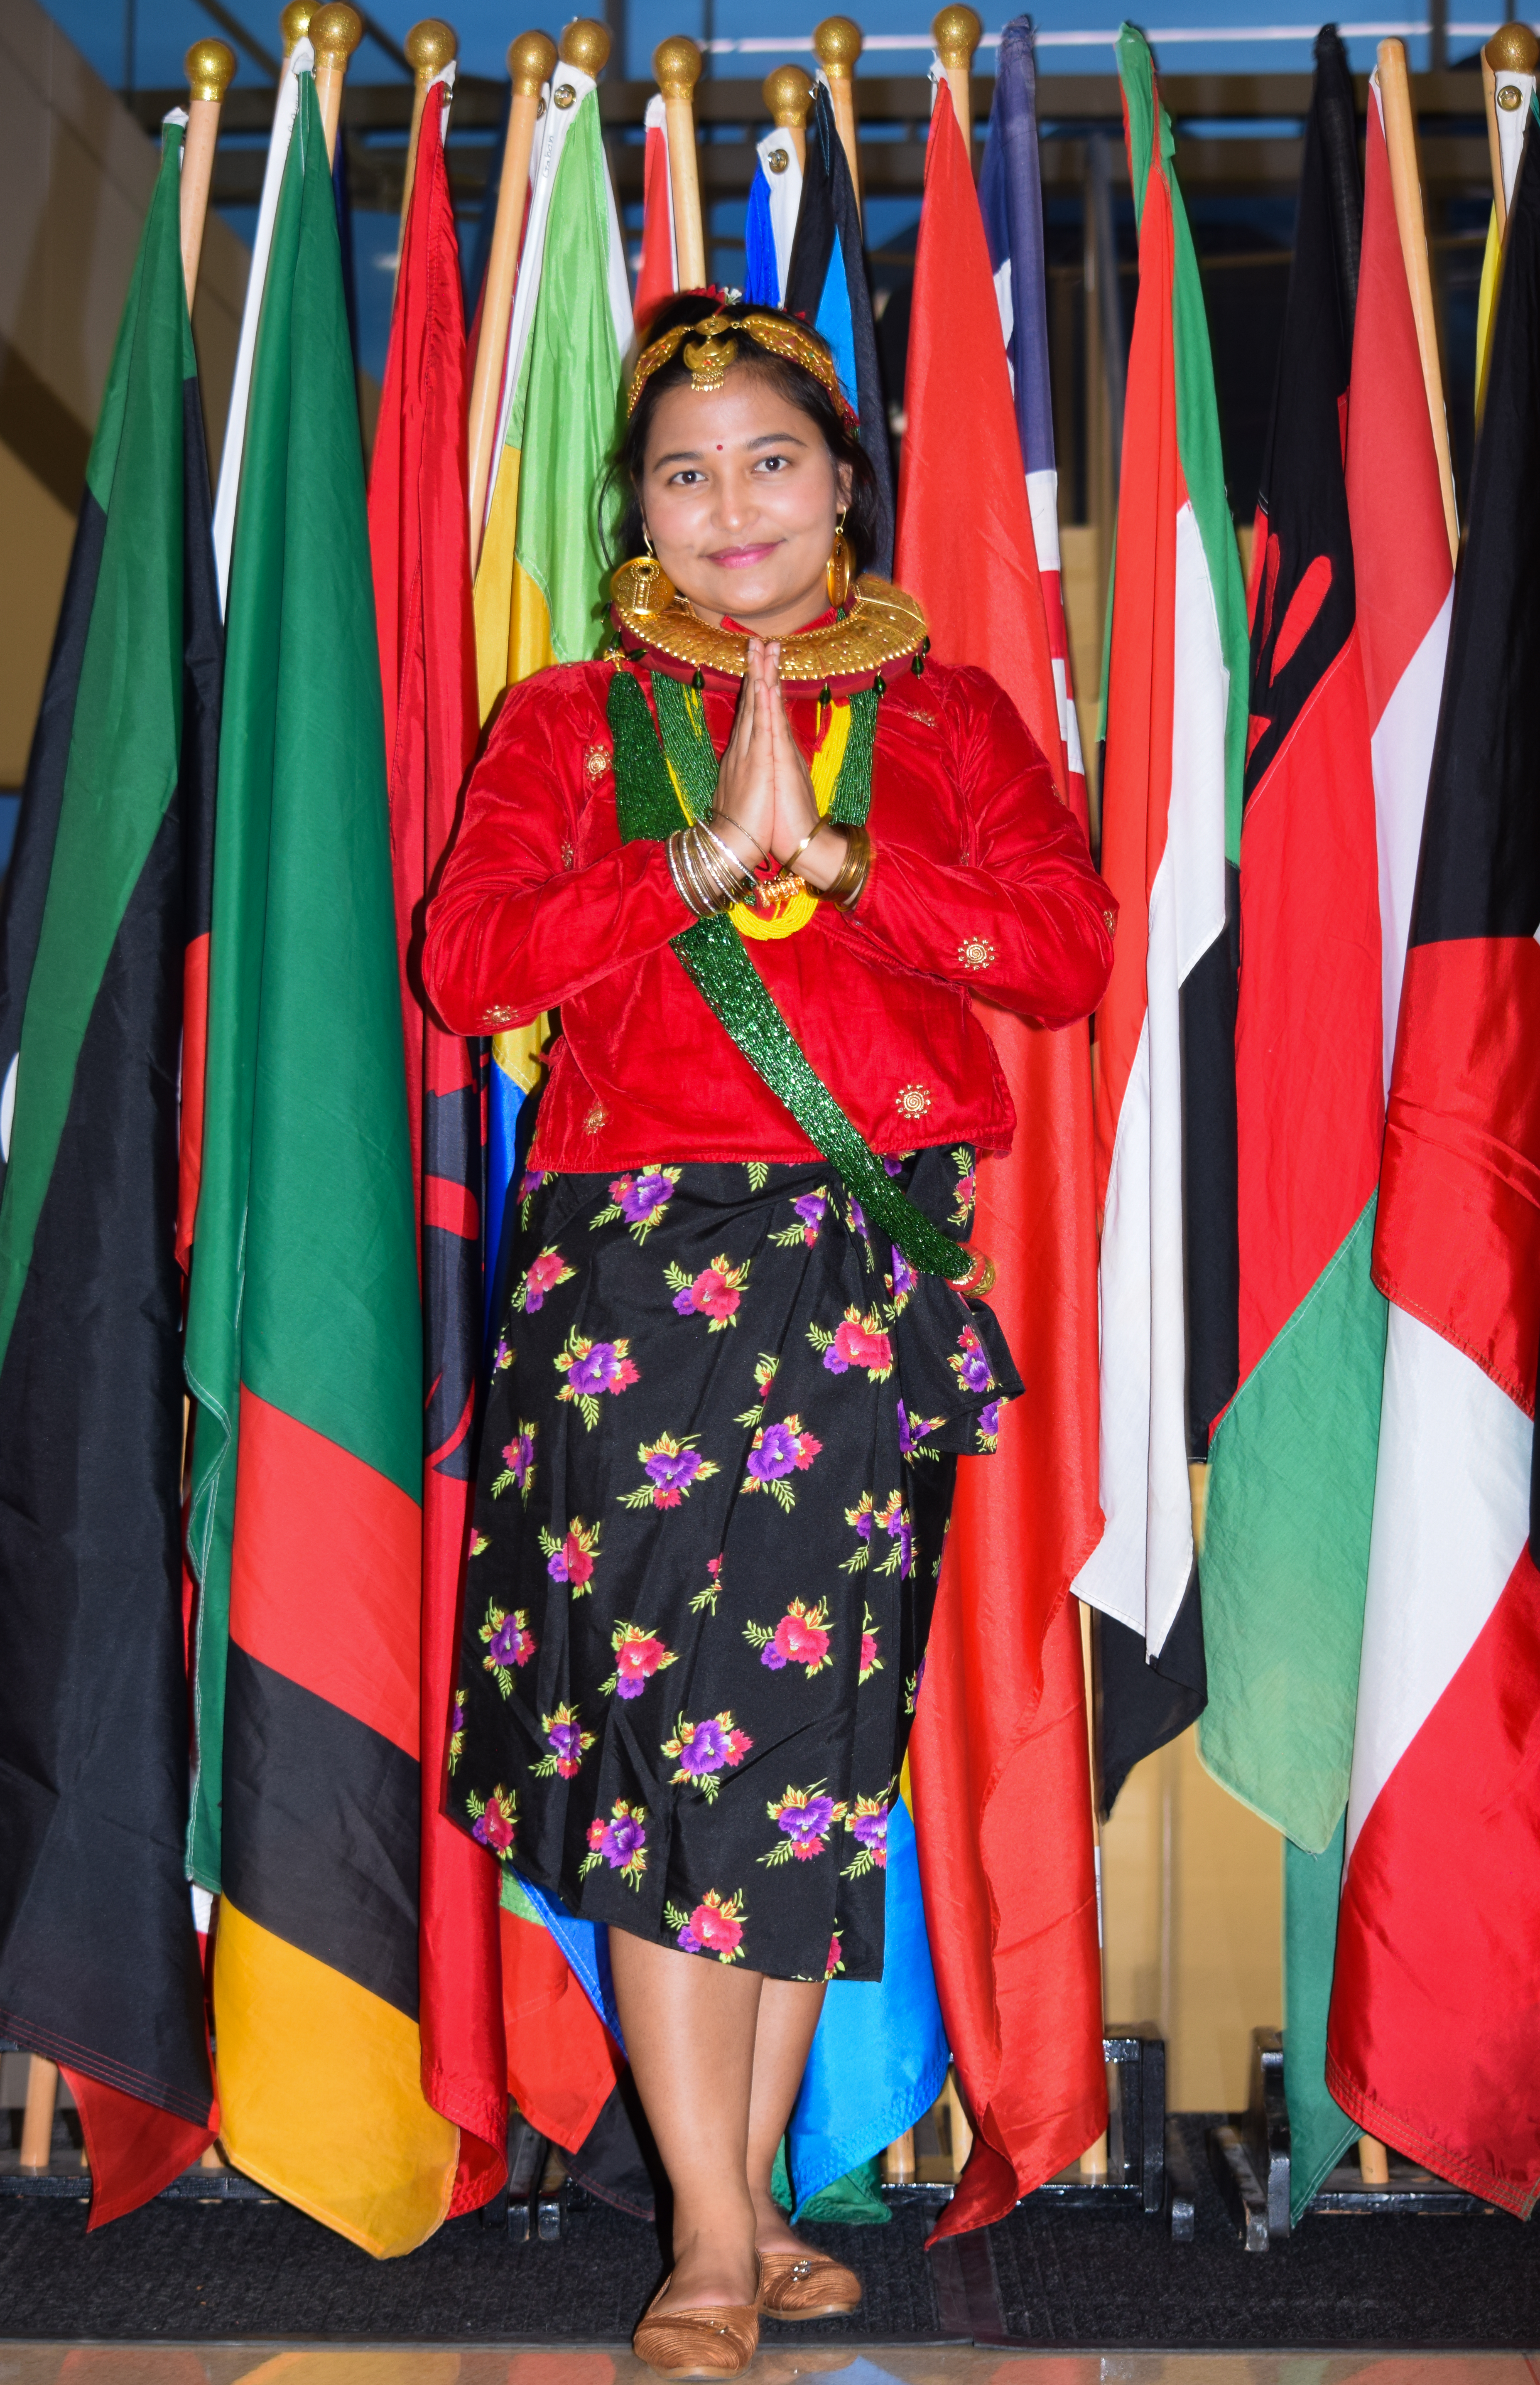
716 1471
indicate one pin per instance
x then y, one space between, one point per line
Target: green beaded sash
718 965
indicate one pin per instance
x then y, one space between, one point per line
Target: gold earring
840 573
647 586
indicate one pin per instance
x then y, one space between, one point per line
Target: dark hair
620 500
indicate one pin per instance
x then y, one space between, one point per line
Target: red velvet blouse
981 880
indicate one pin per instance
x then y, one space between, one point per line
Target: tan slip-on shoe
697 2344
806 2285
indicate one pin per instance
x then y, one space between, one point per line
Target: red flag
658 275
999 1756
418 540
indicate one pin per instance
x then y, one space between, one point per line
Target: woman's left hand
796 815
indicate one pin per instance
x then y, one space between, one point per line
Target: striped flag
824 282
1291 1489
540 585
303 1345
1170 824
658 275
1010 195
103 954
1435 2036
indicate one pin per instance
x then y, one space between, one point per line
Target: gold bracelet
845 886
728 822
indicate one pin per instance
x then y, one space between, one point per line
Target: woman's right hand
745 812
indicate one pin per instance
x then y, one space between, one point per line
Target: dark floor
1048 2278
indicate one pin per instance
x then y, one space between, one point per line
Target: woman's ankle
714 2259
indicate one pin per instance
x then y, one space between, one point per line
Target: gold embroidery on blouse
975 953
913 1101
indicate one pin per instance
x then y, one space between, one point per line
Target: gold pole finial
335 32
210 70
1513 49
957 34
789 96
430 47
839 43
585 44
532 61
294 23
678 66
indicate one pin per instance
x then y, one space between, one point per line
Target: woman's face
741 496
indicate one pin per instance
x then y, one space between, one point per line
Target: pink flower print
593 1369
969 1362
518 1462
867 1823
638 1655
641 1198
857 1340
621 1842
541 1277
809 1210
715 1294
870 1661
836 1961
571 1556
703 1751
712 1590
673 1468
805 1816
801 1637
715 1927
494 1821
777 1451
568 1742
510 1644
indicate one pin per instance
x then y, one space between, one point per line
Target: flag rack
1250 2158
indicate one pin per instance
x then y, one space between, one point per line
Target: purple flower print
969 1362
892 1166
904 1277
617 1841
988 1418
776 1453
641 1196
707 1750
672 1470
804 1825
858 1216
518 1456
599 1368
511 1643
864 1524
566 1744
870 1830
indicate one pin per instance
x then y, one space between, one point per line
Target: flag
105 903
999 1755
285 108
539 597
1171 795
770 226
658 276
825 283
304 1338
1011 199
1433 2042
419 541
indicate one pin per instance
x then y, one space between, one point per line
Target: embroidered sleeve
539 899
1020 916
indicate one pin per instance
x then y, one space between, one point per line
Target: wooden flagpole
957 34
839 43
531 63
430 47
335 32
677 64
789 96
210 70
1406 188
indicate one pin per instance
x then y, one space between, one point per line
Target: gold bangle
728 822
798 851
851 876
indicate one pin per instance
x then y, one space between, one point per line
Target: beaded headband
714 346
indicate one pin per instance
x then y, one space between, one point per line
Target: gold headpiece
714 346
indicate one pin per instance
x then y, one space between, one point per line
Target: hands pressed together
764 801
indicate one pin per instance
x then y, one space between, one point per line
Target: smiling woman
759 855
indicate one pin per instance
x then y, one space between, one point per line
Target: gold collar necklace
882 626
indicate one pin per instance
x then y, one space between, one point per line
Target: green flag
303 1339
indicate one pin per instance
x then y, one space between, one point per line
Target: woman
736 1367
